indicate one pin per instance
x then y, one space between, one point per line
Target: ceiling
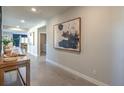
11 15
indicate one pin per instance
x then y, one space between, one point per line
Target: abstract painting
67 35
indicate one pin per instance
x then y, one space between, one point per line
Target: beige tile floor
46 74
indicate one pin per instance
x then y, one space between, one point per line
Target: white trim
90 79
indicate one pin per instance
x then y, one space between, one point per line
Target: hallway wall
102 35
34 49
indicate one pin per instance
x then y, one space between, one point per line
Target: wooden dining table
21 61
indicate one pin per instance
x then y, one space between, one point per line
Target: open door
42 44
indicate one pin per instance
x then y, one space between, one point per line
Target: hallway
48 74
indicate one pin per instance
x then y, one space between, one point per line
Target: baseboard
90 79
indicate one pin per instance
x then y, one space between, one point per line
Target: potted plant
6 48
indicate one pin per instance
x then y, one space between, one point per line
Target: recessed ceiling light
17 26
33 9
22 21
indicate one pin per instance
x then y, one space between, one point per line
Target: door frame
41 30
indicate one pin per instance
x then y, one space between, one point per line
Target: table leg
1 77
28 74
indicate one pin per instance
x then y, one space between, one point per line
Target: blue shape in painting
72 41
64 44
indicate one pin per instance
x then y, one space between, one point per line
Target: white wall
34 49
118 52
102 43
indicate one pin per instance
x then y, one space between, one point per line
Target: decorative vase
7 50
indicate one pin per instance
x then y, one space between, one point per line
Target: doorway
16 38
42 44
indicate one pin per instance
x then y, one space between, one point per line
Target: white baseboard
92 80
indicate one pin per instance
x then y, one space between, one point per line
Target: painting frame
79 36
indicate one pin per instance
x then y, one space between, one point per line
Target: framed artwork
67 35
32 38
